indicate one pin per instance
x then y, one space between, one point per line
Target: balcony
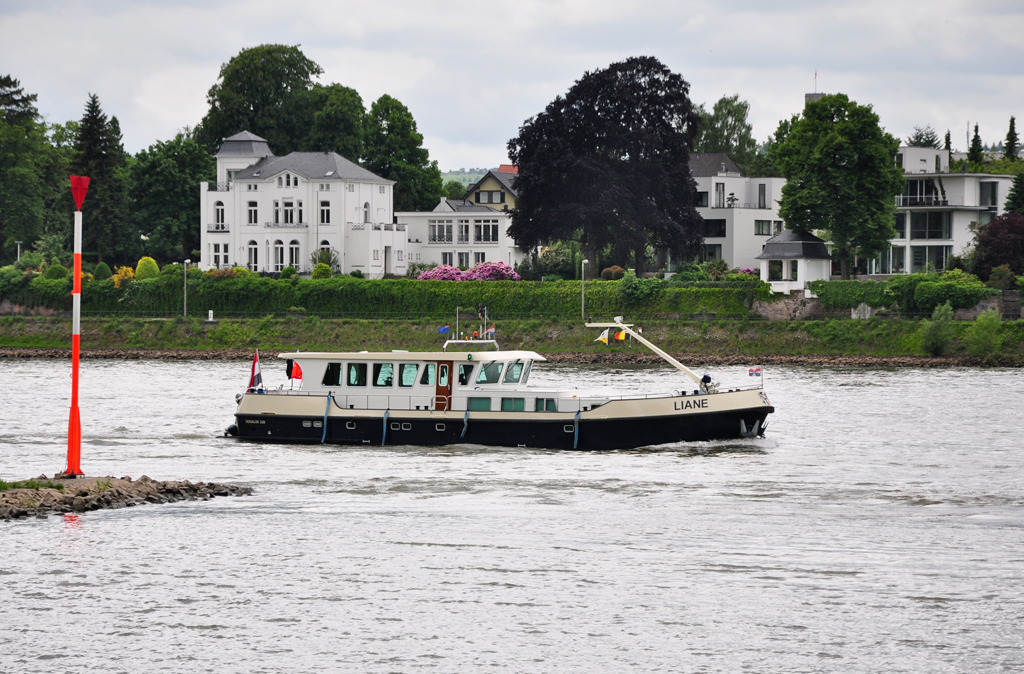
219 228
286 225
358 226
375 226
399 228
463 238
218 187
439 239
389 227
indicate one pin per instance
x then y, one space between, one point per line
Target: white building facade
740 213
936 210
461 234
266 213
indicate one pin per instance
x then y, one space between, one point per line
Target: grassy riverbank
837 337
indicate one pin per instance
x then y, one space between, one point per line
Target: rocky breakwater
42 497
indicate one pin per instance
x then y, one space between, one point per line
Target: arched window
254 256
366 212
293 253
325 245
278 255
218 214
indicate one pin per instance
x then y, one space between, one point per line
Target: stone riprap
96 493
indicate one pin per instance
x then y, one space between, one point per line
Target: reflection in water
877 527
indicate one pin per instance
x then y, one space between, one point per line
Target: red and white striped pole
79 186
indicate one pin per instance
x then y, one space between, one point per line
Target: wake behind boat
484 398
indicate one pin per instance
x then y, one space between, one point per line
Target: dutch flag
255 377
754 372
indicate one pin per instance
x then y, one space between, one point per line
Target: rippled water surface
878 527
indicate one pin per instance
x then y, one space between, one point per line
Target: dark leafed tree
1015 199
258 91
1012 142
726 129
610 160
948 143
924 137
98 154
394 150
336 121
841 177
976 153
165 209
16 107
1000 242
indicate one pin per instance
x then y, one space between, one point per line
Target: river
878 527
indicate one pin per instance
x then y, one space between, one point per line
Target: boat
484 398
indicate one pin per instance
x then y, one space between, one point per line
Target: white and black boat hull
621 424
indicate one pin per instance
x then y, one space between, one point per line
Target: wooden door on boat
443 388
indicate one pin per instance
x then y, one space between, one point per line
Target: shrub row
909 293
346 296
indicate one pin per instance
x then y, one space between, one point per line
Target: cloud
472 73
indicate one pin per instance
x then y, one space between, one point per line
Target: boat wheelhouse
484 398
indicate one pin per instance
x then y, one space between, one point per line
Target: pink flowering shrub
748 270
485 271
441 272
491 271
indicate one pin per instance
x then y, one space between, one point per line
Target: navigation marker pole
79 186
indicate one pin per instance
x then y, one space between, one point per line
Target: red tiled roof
508 168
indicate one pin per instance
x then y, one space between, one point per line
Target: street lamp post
184 300
19 249
583 290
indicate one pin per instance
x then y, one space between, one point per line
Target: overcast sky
472 72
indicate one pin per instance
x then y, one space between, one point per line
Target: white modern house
460 233
267 213
935 211
740 213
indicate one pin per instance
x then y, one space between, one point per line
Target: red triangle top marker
79 186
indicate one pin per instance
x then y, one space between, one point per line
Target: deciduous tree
841 177
259 90
337 121
726 129
394 150
454 189
610 160
165 207
1001 242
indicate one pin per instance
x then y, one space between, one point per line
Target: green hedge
347 296
910 293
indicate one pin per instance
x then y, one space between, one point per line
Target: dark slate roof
790 244
245 144
463 206
505 179
704 164
311 165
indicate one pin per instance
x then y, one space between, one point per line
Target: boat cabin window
383 374
442 376
526 372
465 372
546 405
428 375
478 404
490 373
407 374
513 373
332 375
357 374
512 405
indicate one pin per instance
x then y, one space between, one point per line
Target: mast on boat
628 328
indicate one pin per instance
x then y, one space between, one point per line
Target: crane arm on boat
627 328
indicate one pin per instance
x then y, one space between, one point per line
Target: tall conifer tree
99 155
976 153
1011 144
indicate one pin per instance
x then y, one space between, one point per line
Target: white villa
740 214
460 233
935 211
267 213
